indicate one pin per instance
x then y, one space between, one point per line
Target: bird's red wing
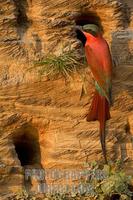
107 62
97 69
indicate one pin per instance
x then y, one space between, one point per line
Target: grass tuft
64 64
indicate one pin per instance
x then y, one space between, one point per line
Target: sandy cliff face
31 29
47 118
43 125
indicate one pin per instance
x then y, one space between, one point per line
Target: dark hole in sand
26 142
83 19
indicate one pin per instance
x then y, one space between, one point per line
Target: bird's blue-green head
92 29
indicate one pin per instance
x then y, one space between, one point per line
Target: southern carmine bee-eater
99 59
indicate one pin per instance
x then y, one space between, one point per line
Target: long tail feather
102 140
99 110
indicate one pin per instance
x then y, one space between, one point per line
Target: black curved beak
80 34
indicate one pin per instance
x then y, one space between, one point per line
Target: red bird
100 62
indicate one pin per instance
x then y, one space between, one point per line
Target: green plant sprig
64 64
